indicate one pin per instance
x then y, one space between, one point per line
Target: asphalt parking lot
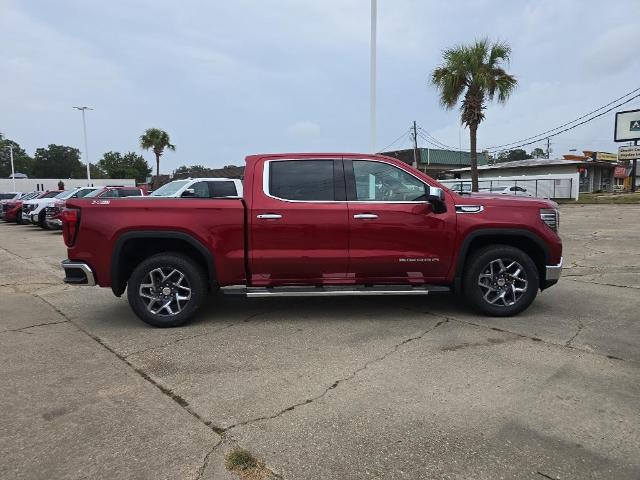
349 388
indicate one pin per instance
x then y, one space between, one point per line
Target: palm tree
157 140
474 72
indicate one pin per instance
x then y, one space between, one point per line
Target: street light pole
13 172
86 146
372 120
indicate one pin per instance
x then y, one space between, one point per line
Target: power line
538 140
394 142
543 135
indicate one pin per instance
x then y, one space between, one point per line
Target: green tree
538 153
475 74
512 155
22 162
129 165
58 161
157 140
192 171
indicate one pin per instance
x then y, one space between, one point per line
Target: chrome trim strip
553 272
365 216
82 266
265 182
335 293
269 216
469 208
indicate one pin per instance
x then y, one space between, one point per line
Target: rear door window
129 192
223 189
302 180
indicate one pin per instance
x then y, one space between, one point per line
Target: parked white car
502 190
33 211
201 188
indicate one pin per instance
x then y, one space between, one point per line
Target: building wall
40 184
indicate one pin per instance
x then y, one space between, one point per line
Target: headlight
551 216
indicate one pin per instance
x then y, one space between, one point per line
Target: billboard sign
629 153
627 126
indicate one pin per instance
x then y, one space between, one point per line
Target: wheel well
526 244
133 251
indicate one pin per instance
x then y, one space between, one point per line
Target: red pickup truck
315 224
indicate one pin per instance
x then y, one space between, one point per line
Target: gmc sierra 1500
316 224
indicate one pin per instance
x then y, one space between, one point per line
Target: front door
299 234
395 236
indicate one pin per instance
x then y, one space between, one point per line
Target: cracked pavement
346 388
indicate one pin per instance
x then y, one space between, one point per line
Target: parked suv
316 225
201 188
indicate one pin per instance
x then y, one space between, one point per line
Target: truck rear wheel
166 290
500 280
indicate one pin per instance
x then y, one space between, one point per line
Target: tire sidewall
480 259
194 276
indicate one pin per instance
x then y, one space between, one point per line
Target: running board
334 291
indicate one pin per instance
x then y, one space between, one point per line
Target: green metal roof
437 157
431 156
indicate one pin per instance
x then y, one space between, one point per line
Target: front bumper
552 274
78 273
53 223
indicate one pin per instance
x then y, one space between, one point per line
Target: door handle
269 216
365 216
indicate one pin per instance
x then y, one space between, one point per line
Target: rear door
395 236
299 223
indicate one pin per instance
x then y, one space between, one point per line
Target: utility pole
415 145
372 119
86 146
13 172
548 148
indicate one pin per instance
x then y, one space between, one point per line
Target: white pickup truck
200 188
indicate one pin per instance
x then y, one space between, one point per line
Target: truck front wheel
166 290
500 280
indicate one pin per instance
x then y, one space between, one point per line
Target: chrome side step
334 291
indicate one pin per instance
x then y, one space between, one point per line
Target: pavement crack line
338 382
573 337
22 329
183 339
182 403
573 279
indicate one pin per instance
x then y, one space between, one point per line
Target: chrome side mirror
188 192
436 199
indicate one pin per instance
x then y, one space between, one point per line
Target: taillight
70 225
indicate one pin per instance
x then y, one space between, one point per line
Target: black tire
144 300
499 294
19 218
41 220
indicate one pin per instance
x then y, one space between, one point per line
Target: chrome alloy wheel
502 282
165 291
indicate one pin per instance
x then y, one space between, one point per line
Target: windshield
7 196
170 188
29 196
64 195
52 194
95 193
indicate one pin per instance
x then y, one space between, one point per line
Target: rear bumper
78 273
552 274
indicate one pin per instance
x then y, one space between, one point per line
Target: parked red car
52 214
316 224
13 208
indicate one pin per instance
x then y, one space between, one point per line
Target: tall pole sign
627 129
372 119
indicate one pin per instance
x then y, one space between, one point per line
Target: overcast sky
231 78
